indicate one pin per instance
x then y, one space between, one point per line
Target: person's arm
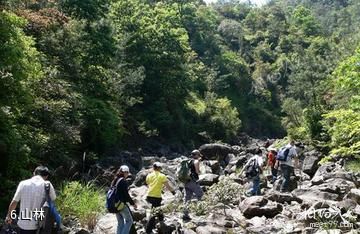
267 164
12 207
197 166
246 164
147 179
169 187
13 203
295 156
52 193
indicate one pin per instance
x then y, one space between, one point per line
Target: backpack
46 219
183 173
113 203
252 169
283 154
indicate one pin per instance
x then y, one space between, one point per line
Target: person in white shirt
31 195
256 162
287 167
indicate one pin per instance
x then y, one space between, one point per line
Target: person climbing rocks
288 158
156 181
192 186
124 217
253 170
272 163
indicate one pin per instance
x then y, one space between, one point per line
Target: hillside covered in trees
94 75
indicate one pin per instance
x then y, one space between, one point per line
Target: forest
93 76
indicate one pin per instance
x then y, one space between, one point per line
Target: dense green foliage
84 202
88 76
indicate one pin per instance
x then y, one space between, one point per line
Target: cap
196 152
124 168
157 165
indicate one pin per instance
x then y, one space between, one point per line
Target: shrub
343 127
83 201
353 165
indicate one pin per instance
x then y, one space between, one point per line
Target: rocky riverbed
323 197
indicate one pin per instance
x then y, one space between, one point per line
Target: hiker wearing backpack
31 194
272 163
285 157
117 199
253 169
156 181
191 185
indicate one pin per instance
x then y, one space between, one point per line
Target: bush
225 191
353 165
343 127
83 201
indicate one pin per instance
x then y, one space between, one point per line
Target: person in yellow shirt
156 181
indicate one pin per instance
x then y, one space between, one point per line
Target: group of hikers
31 193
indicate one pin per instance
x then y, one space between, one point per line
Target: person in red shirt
272 163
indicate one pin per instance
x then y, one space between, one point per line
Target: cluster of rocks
328 189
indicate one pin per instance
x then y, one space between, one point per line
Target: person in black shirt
192 187
124 217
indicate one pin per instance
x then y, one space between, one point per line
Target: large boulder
259 206
215 151
310 163
293 184
282 197
106 224
309 196
331 171
208 179
141 177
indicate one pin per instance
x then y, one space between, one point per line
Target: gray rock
354 195
210 230
282 197
346 204
329 231
310 163
259 206
82 231
106 224
139 214
208 179
141 177
188 231
215 166
312 195
241 161
292 185
215 151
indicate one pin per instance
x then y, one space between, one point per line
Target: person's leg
120 226
286 173
127 219
256 186
189 191
188 195
155 202
198 191
274 174
21 231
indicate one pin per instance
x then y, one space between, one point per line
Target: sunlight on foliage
84 201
